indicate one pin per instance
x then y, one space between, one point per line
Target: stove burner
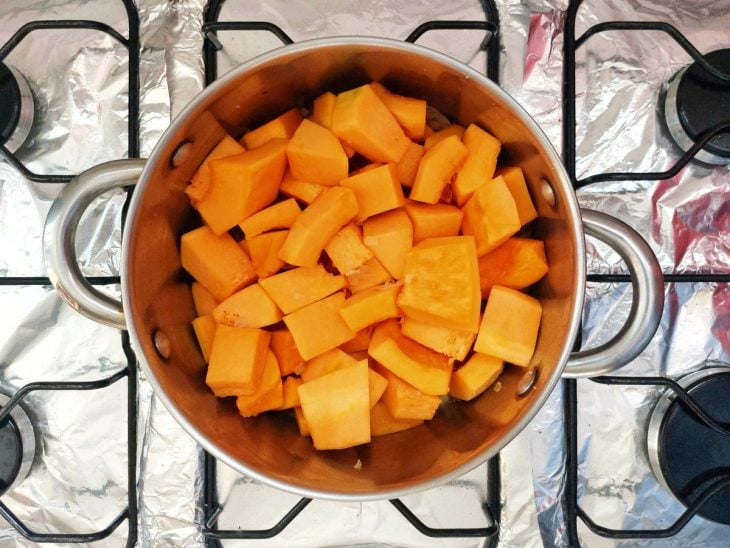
17 447
686 455
16 108
697 101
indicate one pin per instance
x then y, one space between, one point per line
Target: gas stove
636 96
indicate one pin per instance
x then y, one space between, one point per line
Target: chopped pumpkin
291 393
390 237
370 306
360 342
264 251
367 275
408 165
285 351
322 114
282 127
299 287
303 191
490 215
347 250
203 299
383 423
481 159
436 137
326 363
237 360
438 165
407 402
454 343
201 180
204 327
279 215
433 221
475 376
270 394
250 307
377 190
517 263
409 112
377 384
301 422
315 154
515 180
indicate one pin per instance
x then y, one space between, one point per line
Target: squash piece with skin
317 225
270 394
390 237
475 376
377 190
454 343
285 351
315 154
250 307
277 216
304 191
408 165
371 306
367 275
203 299
237 360
433 221
264 251
200 182
438 165
216 262
491 216
383 423
299 287
204 327
347 250
517 263
282 127
481 160
409 112
515 181
405 401
436 137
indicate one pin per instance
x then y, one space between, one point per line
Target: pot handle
59 238
646 305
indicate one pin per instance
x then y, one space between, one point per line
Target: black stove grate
130 513
211 507
573 511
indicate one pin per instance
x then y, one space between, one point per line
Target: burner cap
686 455
697 101
16 108
17 447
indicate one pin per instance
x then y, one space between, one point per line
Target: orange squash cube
515 180
291 393
454 343
367 275
279 215
322 114
360 342
347 250
304 191
371 306
408 165
433 221
441 283
264 251
325 363
509 327
438 165
383 423
318 327
204 327
243 184
475 376
282 127
390 237
270 394
285 351
201 180
437 136
409 112
203 299
481 160
337 407
361 120
301 422
315 154
490 215
250 307
299 287
377 384
317 225
217 262
517 263
406 402
237 360
425 369
376 190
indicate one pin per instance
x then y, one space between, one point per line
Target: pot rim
571 207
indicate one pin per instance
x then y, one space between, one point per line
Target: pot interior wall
462 434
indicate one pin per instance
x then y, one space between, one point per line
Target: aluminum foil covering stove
79 78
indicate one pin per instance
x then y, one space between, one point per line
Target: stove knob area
17 447
16 108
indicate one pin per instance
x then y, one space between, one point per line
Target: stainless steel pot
157 306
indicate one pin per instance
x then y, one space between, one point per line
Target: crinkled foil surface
79 79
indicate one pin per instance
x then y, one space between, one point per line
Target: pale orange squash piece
437 136
315 154
299 287
510 326
282 127
407 402
490 215
242 185
279 215
383 423
441 283
438 165
408 165
377 190
367 275
264 251
360 342
433 221
390 237
475 376
270 394
318 327
409 112
515 180
322 114
362 120
201 180
317 225
237 360
481 160
377 384
204 327
425 369
517 263
217 262
347 250
337 407
250 307
203 299
454 343
285 350
301 422
304 191
291 393
326 363
371 306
